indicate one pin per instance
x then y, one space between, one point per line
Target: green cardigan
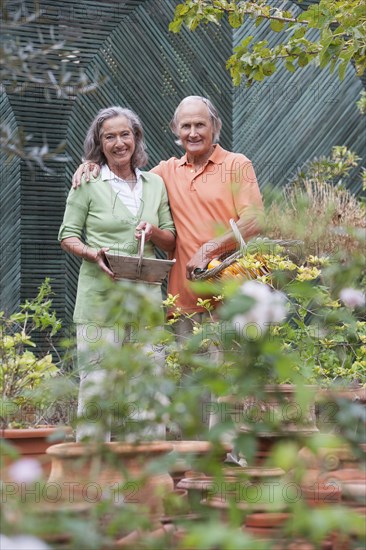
96 215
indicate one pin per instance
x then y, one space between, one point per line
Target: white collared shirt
131 198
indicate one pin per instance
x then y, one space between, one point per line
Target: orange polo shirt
225 187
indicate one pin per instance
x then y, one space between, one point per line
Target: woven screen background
278 125
10 218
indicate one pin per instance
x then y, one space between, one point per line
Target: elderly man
206 187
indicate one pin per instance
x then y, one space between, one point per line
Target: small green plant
361 103
23 368
327 335
317 208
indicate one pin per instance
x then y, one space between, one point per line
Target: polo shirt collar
217 156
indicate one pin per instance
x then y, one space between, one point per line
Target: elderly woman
109 214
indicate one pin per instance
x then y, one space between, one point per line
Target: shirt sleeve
75 215
246 193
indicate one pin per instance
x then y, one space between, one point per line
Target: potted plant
28 410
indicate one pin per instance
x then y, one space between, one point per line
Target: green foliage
17 144
333 169
281 351
22 371
24 62
361 103
341 26
317 208
321 342
327 338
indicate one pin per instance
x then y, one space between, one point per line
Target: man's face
195 129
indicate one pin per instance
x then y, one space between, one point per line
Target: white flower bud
352 297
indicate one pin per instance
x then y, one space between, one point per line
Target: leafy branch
341 25
18 145
22 62
47 64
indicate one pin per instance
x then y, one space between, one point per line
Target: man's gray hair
92 144
214 115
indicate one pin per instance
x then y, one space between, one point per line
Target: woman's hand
144 226
75 246
102 261
84 172
162 238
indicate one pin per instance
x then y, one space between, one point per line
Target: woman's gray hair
214 115
92 144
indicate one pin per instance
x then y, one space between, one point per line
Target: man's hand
84 172
199 261
248 226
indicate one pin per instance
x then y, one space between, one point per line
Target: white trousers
92 390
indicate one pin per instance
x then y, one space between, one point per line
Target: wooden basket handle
140 253
238 235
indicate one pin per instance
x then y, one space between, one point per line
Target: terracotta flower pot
33 443
267 533
136 539
277 415
87 472
356 394
176 504
266 520
254 472
329 401
51 518
252 489
354 492
330 465
189 453
278 407
321 493
197 489
193 473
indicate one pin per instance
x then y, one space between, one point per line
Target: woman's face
118 142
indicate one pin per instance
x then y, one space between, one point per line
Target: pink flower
352 297
25 470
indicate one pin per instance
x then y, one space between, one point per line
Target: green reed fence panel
279 124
